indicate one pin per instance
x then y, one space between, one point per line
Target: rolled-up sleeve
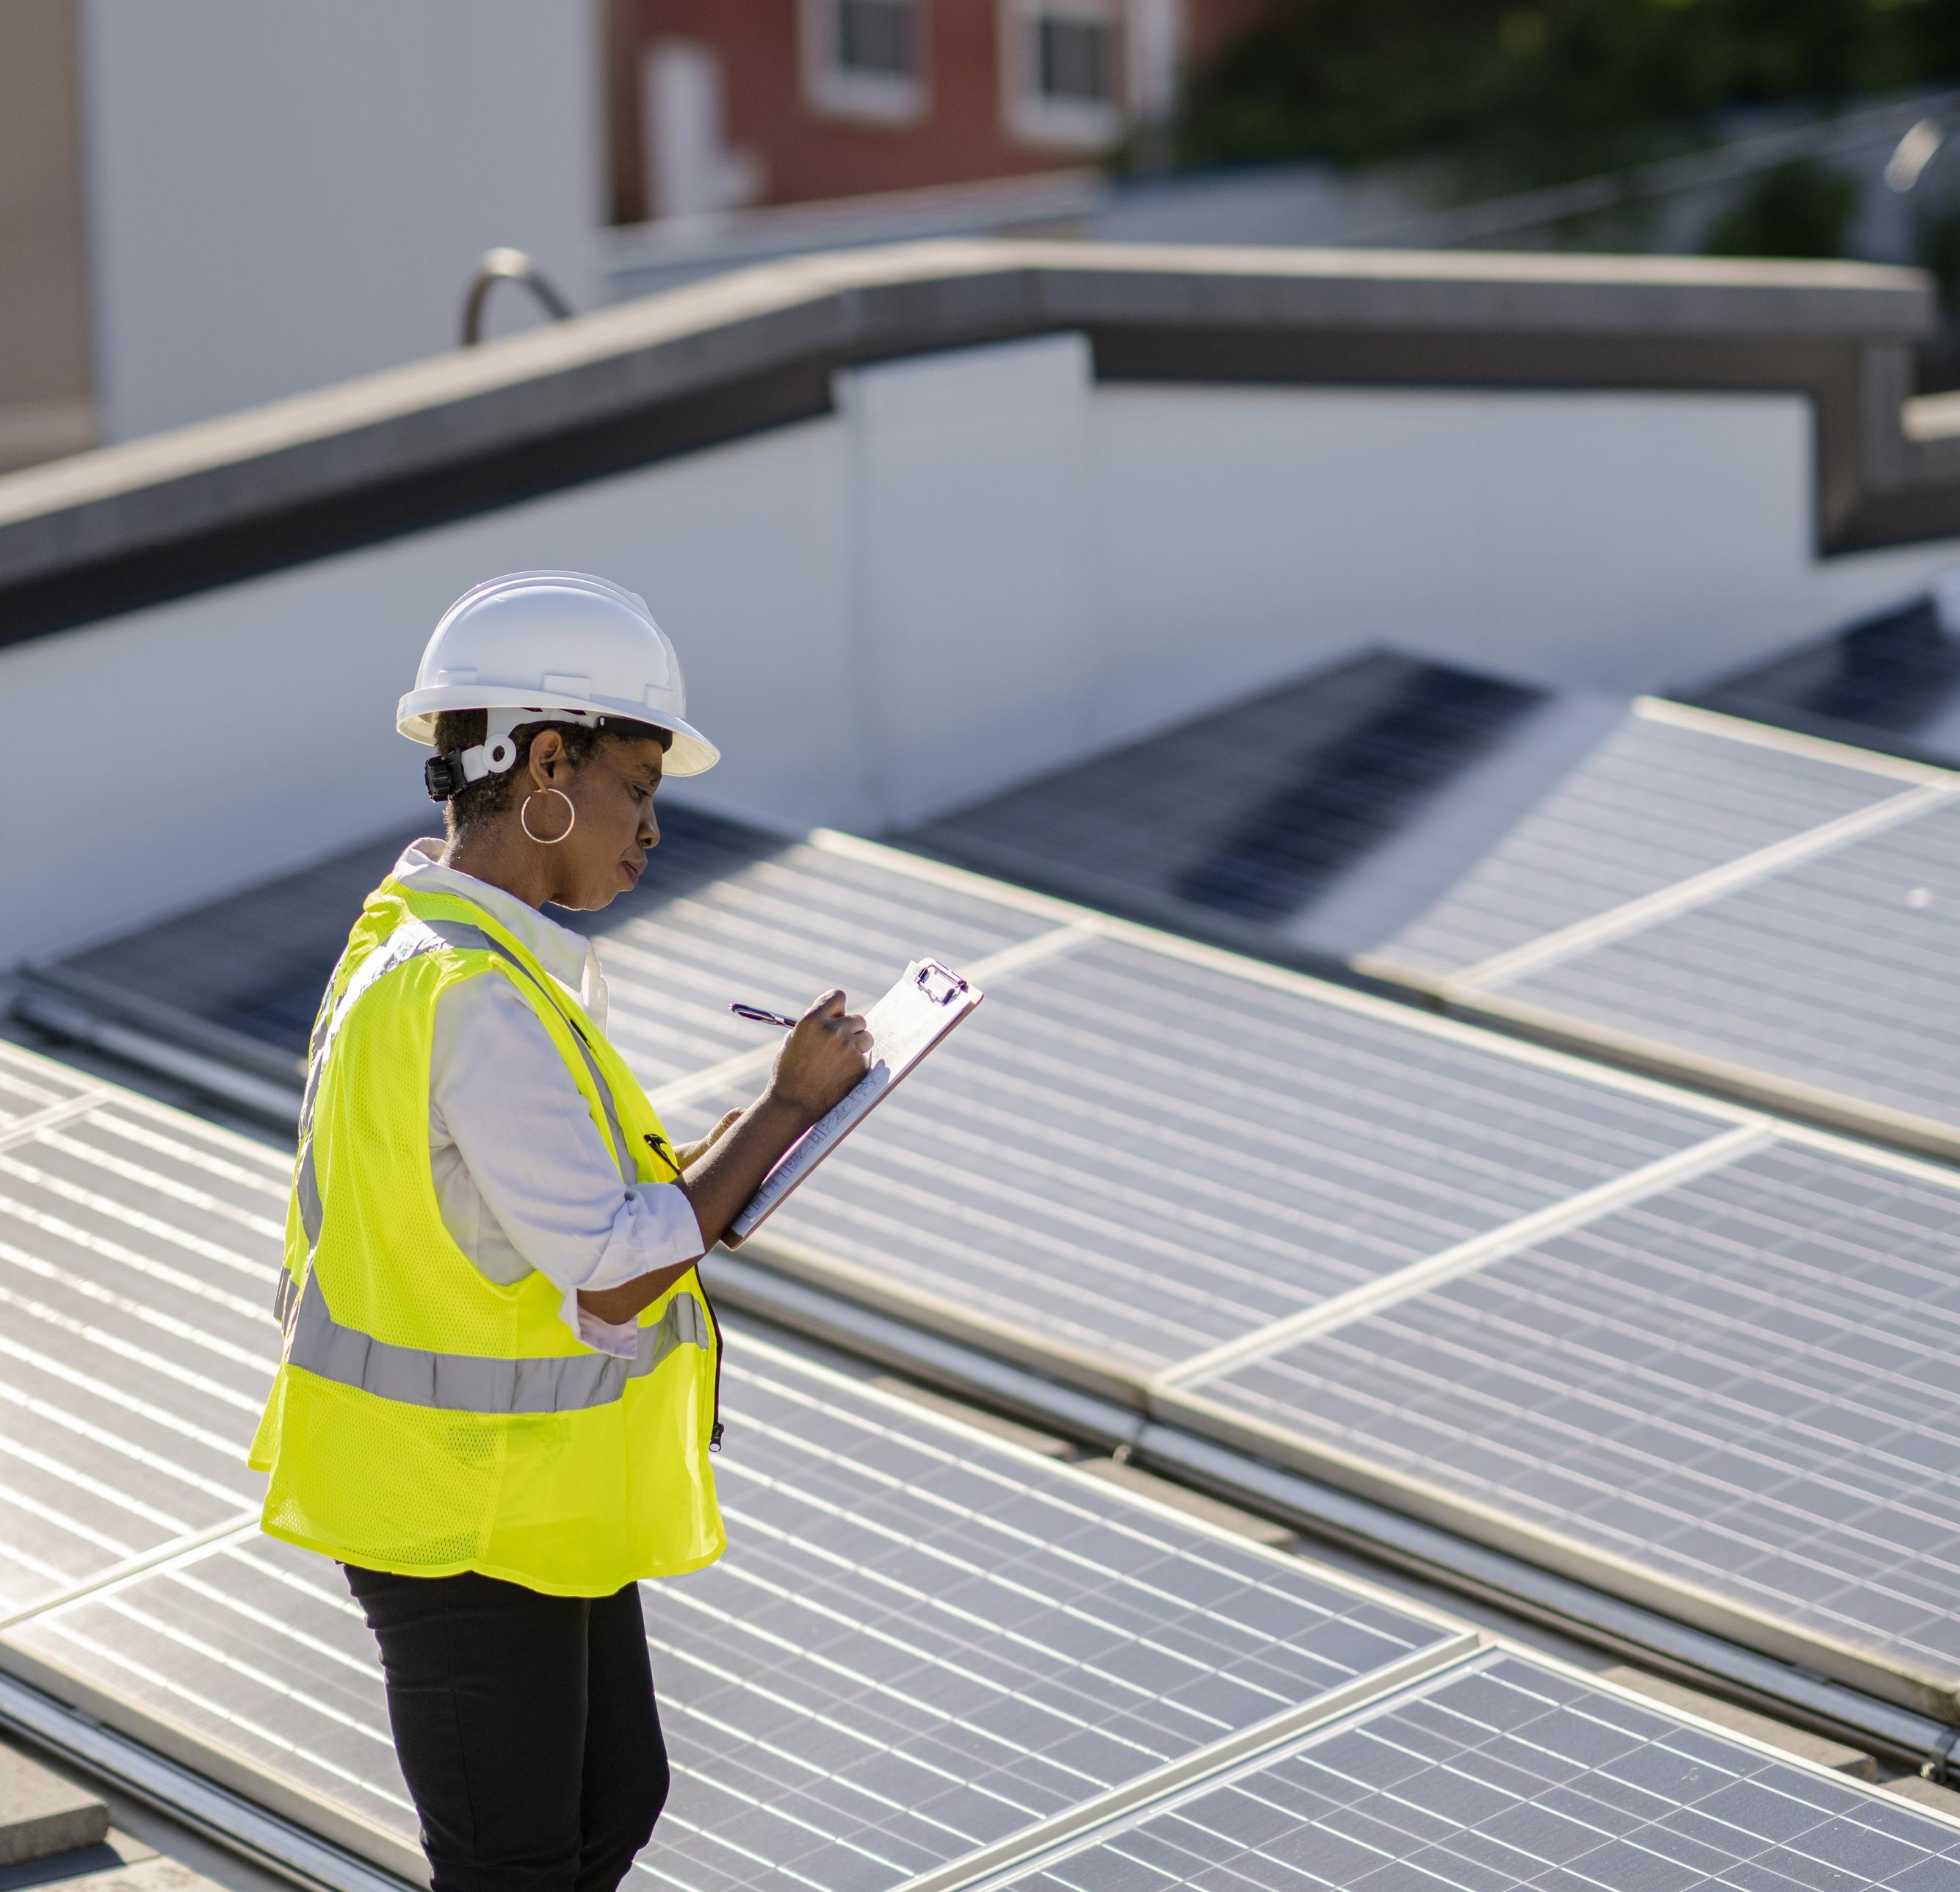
547 1187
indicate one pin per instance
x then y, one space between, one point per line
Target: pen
762 1017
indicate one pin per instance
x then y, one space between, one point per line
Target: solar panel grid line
1165 1781
243 1828
135 1259
1093 1370
142 1223
988 971
1142 1506
1265 1077
1735 1407
118 1707
128 1305
25 1130
1831 976
1537 1543
1282 978
1507 1770
114 1439
1419 1143
1798 1101
1495 974
1420 1276
864 1557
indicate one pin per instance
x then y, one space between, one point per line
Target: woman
499 1384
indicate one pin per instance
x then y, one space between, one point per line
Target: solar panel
776 925
1507 1772
1132 1155
1422 817
138 1249
1735 1395
727 913
1834 977
1891 682
923 1643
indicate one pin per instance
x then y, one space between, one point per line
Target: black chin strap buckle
443 775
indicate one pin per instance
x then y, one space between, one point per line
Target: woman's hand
821 1060
819 1063
687 1154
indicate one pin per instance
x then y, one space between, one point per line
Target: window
875 36
1059 71
864 58
1072 60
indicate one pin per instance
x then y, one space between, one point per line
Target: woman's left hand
688 1155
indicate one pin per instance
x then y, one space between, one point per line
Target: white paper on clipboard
919 1010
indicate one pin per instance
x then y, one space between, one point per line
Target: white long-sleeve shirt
523 1178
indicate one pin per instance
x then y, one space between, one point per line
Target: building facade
720 105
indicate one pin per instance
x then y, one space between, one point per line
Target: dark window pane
875 36
1072 60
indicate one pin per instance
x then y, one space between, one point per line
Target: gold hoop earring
524 816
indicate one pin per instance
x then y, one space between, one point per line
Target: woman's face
612 793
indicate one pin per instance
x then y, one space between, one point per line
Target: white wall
981 567
972 558
283 195
195 747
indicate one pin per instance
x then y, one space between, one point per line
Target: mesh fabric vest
426 1420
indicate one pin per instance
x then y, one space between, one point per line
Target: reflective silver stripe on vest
471 1382
409 940
406 942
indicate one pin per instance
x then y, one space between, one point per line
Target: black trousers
525 1727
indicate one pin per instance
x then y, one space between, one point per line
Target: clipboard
906 1024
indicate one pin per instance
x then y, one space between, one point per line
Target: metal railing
507 265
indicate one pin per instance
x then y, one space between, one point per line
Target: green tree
1533 92
1799 209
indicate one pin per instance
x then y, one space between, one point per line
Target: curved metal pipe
507 265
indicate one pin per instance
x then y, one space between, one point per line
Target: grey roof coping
778 330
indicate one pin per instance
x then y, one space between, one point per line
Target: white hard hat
556 646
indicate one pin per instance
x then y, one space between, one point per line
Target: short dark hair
488 795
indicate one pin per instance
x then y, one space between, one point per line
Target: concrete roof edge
892 300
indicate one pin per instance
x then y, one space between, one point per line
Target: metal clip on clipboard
924 1004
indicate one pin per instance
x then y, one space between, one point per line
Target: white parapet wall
281 195
982 564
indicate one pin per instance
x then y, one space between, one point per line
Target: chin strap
446 776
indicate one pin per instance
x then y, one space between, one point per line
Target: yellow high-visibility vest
426 1420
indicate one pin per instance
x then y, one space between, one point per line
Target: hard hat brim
690 753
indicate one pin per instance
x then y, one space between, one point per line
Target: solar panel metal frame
1176 1402
1106 1376
1497 1652
347 1828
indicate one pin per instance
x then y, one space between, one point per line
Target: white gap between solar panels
1795 742
1264 972
130 1568
1248 1744
1286 1725
1495 1649
990 970
1479 1251
25 1130
1551 949
1790 1097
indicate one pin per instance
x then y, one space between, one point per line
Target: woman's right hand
821 1059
